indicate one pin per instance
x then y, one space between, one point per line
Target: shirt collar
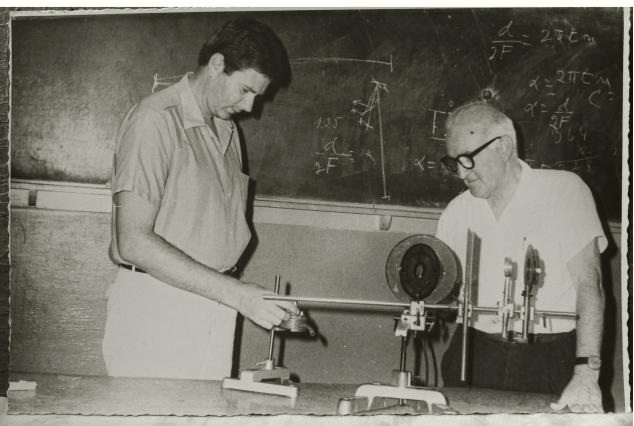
522 192
193 117
523 186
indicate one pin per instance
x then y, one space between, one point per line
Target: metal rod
403 352
557 314
508 271
272 333
536 313
527 312
484 309
339 301
471 236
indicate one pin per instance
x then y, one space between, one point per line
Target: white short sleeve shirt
551 210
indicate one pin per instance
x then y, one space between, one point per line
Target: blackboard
362 118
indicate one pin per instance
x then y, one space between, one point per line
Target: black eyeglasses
466 160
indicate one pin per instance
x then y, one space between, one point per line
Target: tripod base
252 381
425 400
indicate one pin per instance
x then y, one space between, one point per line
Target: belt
132 268
534 338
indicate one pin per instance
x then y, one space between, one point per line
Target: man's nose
463 172
247 102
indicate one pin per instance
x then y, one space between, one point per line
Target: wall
60 271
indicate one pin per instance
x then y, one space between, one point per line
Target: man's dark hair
247 43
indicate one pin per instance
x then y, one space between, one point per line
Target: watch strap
580 360
594 362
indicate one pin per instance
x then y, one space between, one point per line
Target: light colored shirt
551 210
168 155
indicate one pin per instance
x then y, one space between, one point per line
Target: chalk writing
439 116
164 81
553 103
506 42
325 60
327 122
366 109
508 39
563 36
330 156
425 165
576 165
369 116
570 78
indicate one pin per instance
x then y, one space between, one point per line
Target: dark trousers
544 366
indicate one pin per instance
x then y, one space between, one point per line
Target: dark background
75 77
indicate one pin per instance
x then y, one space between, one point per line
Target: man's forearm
590 308
586 272
167 263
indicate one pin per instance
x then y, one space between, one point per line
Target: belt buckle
516 337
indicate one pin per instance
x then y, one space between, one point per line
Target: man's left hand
582 394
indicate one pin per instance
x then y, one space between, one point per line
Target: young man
509 206
178 222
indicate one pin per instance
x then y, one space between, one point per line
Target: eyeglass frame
470 155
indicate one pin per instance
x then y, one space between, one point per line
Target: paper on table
22 385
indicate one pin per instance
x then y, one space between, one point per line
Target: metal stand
426 270
401 387
260 379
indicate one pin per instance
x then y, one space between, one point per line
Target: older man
178 215
509 206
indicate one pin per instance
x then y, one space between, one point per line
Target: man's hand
265 313
582 394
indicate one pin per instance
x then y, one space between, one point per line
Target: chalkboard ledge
73 196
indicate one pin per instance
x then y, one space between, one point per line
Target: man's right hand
265 313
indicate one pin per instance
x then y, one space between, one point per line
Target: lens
465 161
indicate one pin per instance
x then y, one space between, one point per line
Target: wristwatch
594 362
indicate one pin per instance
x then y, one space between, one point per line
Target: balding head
472 126
480 121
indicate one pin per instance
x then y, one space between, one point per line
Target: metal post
403 352
272 332
506 295
471 236
527 312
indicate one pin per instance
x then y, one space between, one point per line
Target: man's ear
505 147
216 64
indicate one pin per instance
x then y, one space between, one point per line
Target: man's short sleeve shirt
168 155
551 210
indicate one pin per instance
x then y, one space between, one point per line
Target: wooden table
68 400
97 395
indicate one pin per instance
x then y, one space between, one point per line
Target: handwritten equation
558 98
510 39
577 165
336 153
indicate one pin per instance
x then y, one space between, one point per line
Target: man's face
236 92
487 175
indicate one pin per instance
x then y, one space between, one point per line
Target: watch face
594 362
